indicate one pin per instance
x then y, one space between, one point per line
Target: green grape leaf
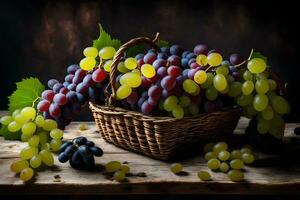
259 55
162 43
28 90
105 40
8 135
133 51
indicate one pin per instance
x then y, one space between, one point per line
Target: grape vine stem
35 101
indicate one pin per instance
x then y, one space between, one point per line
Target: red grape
168 83
99 75
174 71
60 99
43 105
54 110
48 95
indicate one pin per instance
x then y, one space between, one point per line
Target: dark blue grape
69 151
72 69
191 55
66 84
75 108
139 56
185 63
96 151
81 99
175 50
82 88
90 144
162 55
184 54
63 158
165 50
64 146
80 140
71 97
89 162
85 151
72 87
52 82
76 160
57 87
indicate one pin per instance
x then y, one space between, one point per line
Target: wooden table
265 179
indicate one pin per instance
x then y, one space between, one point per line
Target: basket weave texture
157 137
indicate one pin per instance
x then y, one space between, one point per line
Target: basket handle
111 97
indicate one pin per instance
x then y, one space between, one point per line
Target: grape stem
252 50
35 101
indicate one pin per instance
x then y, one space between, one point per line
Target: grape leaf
133 51
259 55
28 90
162 43
105 39
9 135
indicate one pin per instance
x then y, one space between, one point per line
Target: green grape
235 154
26 174
248 158
25 138
39 121
5 120
18 165
35 161
280 105
277 126
208 147
119 176
43 137
267 113
28 128
90 52
189 86
28 152
20 119
204 175
107 65
222 70
224 167
263 126
272 84
176 168
245 149
262 86
210 155
34 141
29 113
170 103
248 76
130 63
125 169
260 102
201 60
200 77
123 91
246 146
112 166
87 63
244 100
16 112
82 127
47 157
261 76
131 79
251 111
230 79
220 82
197 92
247 87
220 146
46 146
107 53
121 68
236 164
56 133
214 59
223 155
49 125
211 93
226 90
148 70
213 164
235 175
256 65
184 101
14 126
209 80
137 71
193 109
55 144
178 112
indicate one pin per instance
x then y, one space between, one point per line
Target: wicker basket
157 137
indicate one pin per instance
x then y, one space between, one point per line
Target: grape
149 58
43 136
51 83
235 59
235 154
130 63
47 157
64 146
248 158
214 59
201 49
247 87
174 71
236 164
132 98
80 140
5 120
90 52
210 155
162 72
125 169
176 168
201 60
35 161
213 164
178 112
189 86
245 150
159 63
220 146
223 155
112 166
28 152
175 50
174 60
25 138
70 150
131 79
146 107
55 144
220 82
244 100
123 91
170 103
14 126
107 53
155 91
277 128
43 105
222 70
260 102
28 113
191 73
26 174
54 110
72 69
18 165
235 175
268 113
122 68
107 65
62 157
224 167
193 109
256 65
60 99
34 141
49 125
56 133
87 63
200 77
168 83
280 105
148 70
211 93
96 151
184 101
262 86
80 98
84 151
208 147
272 85
99 75
248 76
28 128
204 175
119 176
235 89
20 119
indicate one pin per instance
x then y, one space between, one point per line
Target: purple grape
184 54
88 80
69 78
201 49
132 98
174 60
162 72
48 95
235 59
149 58
175 50
146 107
52 82
54 110
72 87
165 50
159 63
155 92
71 97
72 69
139 56
191 55
82 88
60 99
161 55
168 83
152 101
57 87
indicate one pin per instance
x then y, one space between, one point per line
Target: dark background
41 38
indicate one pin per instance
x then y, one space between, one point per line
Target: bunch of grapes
42 136
80 153
218 157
